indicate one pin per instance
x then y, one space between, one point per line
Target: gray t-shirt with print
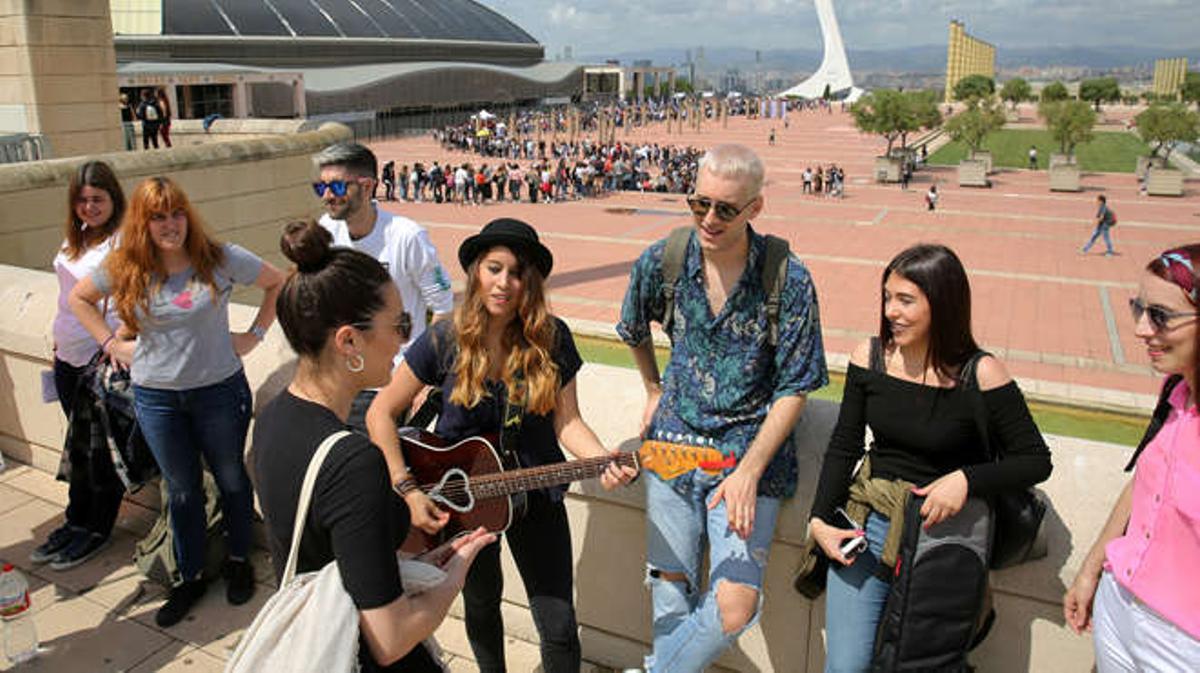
184 342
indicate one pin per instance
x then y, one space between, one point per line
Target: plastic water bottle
20 637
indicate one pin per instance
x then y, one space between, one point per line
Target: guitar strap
510 426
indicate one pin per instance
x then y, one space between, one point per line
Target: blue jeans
180 426
688 635
1101 230
854 599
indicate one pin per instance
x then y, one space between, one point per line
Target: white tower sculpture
835 69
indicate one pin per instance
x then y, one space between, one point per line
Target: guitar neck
544 476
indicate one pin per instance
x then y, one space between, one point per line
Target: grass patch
1109 151
1102 426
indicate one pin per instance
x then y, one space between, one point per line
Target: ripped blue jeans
688 635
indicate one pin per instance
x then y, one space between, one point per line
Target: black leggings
95 493
541 546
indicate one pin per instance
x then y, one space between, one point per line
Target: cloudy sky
612 26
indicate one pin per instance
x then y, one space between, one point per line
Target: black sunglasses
338 187
700 205
403 325
1160 317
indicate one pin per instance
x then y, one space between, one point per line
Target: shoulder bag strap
968 379
306 490
1161 411
774 275
672 266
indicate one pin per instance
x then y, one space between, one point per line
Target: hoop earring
356 363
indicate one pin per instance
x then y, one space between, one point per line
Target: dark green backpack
774 275
154 554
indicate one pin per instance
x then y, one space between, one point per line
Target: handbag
311 624
1017 514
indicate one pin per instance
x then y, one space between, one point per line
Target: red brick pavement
1037 300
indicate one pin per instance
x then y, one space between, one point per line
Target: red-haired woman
170 283
1141 571
503 337
95 205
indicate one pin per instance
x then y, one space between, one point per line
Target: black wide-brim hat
513 234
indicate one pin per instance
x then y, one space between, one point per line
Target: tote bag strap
310 480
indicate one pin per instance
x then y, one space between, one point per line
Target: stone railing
244 186
608 529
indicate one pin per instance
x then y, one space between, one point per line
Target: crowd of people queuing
144 285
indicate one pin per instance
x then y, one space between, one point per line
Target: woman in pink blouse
1141 572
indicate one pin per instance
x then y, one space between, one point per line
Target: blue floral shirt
723 374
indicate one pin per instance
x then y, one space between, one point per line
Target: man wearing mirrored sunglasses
733 383
345 186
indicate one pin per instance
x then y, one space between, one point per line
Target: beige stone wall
609 528
58 74
243 189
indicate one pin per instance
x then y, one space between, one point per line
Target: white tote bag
311 624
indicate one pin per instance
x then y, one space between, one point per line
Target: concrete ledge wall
186 132
609 528
244 189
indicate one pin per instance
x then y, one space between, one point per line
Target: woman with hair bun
1136 590
343 316
95 206
504 338
170 282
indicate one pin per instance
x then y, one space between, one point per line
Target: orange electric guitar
468 479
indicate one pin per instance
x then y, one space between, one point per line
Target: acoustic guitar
469 480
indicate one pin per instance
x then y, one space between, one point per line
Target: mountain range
923 59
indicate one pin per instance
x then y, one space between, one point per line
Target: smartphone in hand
856 545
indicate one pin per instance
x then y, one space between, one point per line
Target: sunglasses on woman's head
1160 318
403 325
338 187
700 205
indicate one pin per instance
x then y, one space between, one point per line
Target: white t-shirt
404 249
72 343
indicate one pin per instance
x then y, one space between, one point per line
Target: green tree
1191 89
1055 91
974 86
1070 122
683 85
1164 124
973 125
893 115
1016 90
1100 90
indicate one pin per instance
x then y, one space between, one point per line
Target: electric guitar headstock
669 459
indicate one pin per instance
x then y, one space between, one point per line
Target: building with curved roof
348 55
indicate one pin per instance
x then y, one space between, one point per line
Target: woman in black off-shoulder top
924 429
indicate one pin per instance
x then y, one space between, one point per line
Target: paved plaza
1059 318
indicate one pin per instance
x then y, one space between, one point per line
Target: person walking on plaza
171 283
164 103
931 198
95 206
738 378
503 342
1136 590
343 316
150 114
1105 220
356 221
1033 158
906 385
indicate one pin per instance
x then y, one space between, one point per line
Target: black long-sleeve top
923 432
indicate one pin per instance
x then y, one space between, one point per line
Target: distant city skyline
615 26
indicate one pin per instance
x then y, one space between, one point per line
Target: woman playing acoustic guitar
504 348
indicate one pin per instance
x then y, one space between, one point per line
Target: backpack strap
672 266
774 276
306 491
969 381
1161 411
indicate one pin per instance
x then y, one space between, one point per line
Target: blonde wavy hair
529 340
135 267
